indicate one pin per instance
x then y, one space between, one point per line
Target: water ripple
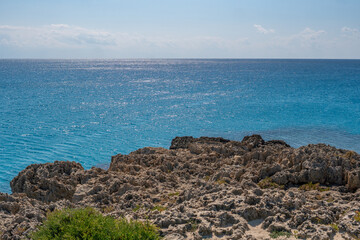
89 110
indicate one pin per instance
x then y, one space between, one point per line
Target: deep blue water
89 110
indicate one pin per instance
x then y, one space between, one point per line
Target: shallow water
89 110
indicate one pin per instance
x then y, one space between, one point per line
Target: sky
180 29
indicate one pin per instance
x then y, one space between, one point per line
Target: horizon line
176 58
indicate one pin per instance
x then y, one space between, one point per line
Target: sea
89 110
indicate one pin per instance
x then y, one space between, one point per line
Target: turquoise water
89 110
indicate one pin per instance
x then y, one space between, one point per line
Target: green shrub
174 194
335 227
221 181
311 186
268 183
159 208
88 224
357 216
276 234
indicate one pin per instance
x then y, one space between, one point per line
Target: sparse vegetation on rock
334 226
276 234
311 186
268 183
357 216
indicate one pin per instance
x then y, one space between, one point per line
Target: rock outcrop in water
203 188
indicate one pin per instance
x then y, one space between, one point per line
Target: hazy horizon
175 58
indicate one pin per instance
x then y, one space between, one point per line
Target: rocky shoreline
203 188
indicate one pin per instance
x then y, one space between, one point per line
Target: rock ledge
202 188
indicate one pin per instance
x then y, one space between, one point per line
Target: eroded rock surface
48 182
202 188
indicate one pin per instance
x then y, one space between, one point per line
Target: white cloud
55 35
74 37
263 30
309 34
62 40
307 38
351 32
